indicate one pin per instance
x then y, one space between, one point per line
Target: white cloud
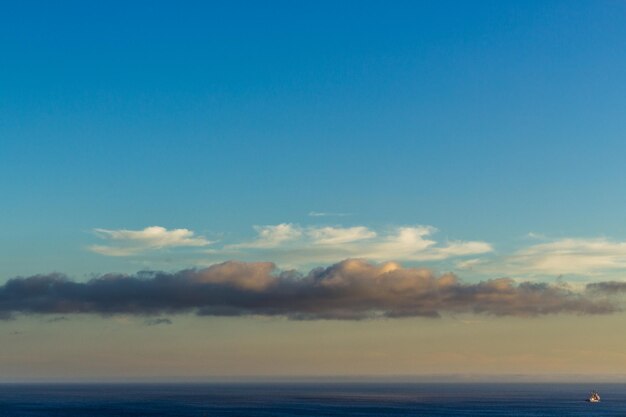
130 242
570 256
271 236
414 244
469 264
294 245
461 248
589 258
533 235
339 235
327 214
405 243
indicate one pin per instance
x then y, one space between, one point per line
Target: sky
265 189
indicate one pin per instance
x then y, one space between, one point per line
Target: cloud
272 236
349 290
327 214
57 319
533 235
338 235
608 287
414 244
157 321
295 245
131 242
570 256
469 264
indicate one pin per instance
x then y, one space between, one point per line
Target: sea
311 399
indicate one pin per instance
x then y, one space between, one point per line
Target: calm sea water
308 399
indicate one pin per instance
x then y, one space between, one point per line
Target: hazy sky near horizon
473 150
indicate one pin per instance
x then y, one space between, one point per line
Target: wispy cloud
131 242
534 235
570 256
339 235
327 214
469 264
271 236
292 244
349 290
295 246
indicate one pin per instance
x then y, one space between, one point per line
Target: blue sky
486 120
471 150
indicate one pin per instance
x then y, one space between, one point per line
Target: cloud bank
349 290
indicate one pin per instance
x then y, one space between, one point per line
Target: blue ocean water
311 399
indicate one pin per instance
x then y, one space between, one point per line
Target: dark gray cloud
350 290
156 321
607 287
57 319
6 316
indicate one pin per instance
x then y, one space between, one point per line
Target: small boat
594 397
